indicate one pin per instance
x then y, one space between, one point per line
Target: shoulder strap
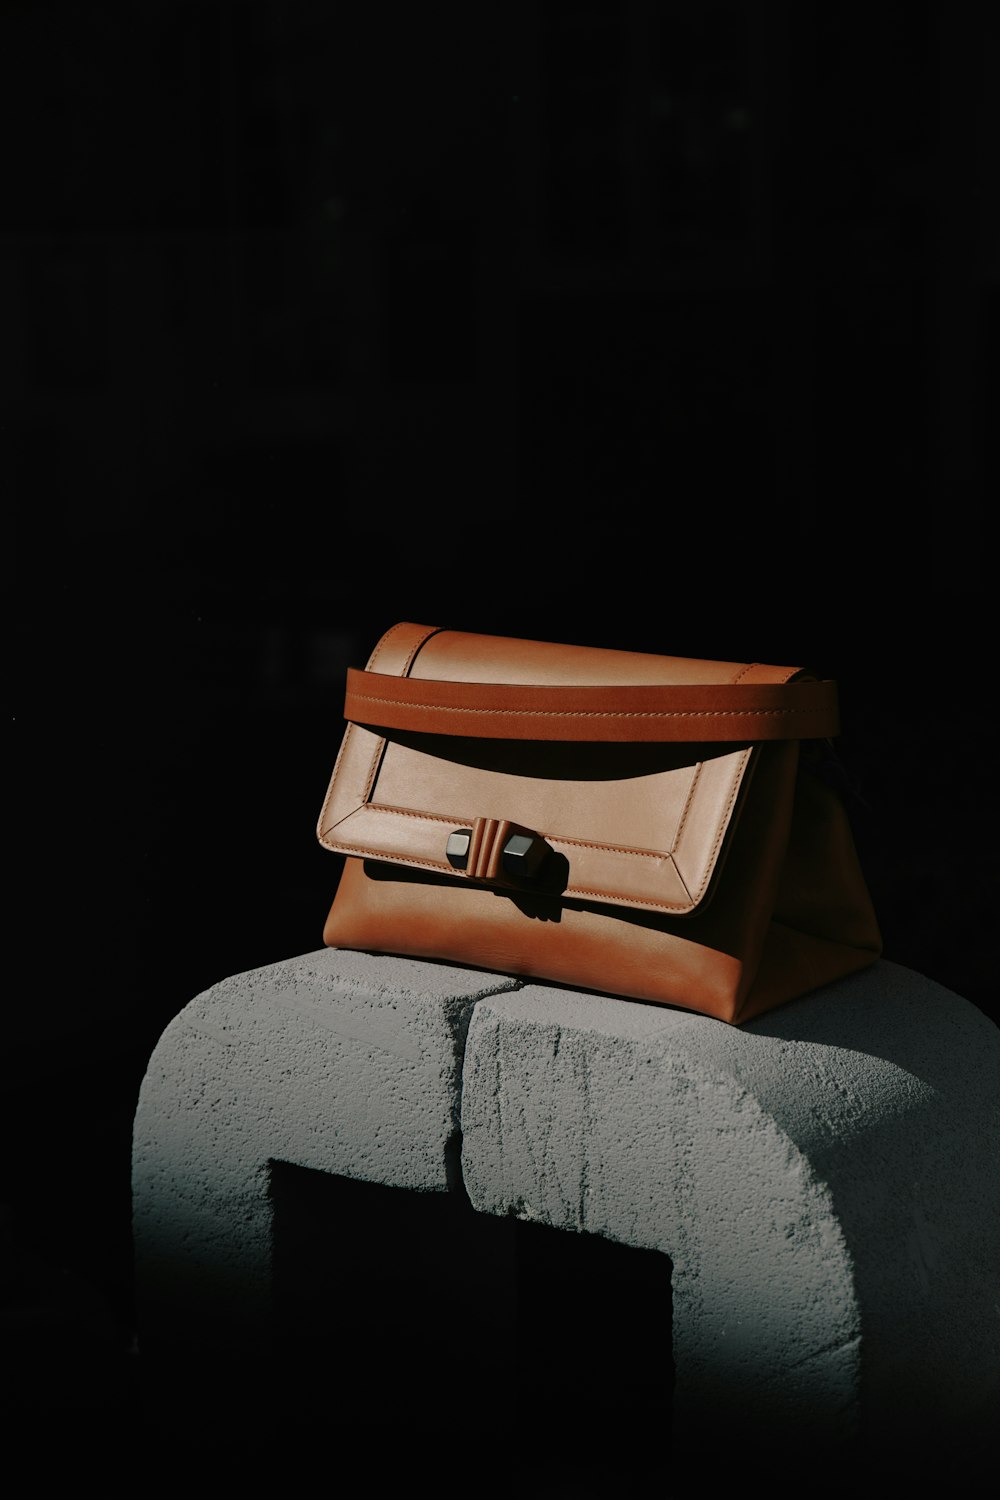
706 712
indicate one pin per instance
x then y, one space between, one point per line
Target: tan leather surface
614 813
458 656
711 876
614 817
687 712
649 955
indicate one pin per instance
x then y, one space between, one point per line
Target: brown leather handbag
644 826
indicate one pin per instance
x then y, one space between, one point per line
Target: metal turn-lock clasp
494 847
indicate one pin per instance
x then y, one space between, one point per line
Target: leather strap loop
687 712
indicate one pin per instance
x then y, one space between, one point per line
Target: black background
660 326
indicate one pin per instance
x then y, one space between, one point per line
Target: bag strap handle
705 712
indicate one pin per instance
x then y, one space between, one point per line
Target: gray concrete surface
333 1061
823 1181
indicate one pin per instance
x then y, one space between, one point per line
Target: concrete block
821 1184
336 1061
823 1181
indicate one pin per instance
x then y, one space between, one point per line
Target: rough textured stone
337 1061
822 1181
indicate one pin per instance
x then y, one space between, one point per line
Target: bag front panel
652 837
705 961
391 908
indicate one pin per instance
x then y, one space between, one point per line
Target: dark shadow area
469 1325
409 1329
663 327
577 761
595 1366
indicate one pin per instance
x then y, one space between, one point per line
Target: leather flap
630 822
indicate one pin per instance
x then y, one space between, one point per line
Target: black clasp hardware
457 847
523 855
480 852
